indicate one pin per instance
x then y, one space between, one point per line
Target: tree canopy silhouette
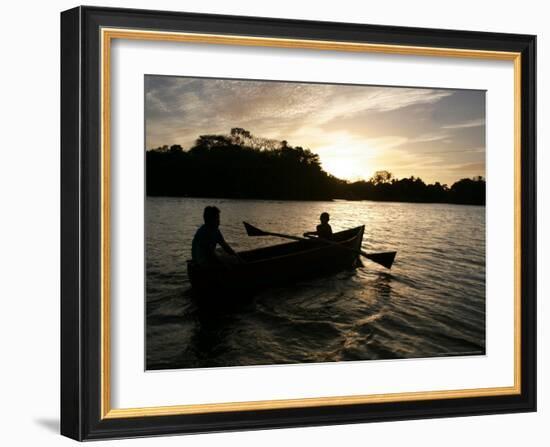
243 166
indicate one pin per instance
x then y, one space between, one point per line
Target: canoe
279 264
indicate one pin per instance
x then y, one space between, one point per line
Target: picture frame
87 34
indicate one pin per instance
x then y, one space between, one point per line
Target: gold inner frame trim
107 35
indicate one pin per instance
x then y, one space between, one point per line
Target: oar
386 259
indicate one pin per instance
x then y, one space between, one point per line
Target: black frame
81 220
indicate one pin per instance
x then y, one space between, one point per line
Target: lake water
431 303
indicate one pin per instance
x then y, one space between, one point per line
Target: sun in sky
435 134
346 157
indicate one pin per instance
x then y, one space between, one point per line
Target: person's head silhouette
324 217
211 216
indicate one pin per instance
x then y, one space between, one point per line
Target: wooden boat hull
279 264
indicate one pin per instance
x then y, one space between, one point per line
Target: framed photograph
277 223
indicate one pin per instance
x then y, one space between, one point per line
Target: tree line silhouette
243 166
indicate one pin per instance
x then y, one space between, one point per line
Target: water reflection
432 302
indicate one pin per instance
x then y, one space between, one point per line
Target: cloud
207 103
474 168
473 123
369 127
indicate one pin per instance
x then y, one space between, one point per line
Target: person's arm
225 245
227 248
317 232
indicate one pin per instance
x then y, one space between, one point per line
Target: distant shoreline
149 196
242 166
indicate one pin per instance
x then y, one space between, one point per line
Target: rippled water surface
431 303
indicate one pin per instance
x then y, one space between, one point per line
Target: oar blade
384 259
251 230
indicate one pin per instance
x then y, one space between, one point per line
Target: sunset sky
435 134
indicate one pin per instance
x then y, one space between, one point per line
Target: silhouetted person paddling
324 230
206 238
